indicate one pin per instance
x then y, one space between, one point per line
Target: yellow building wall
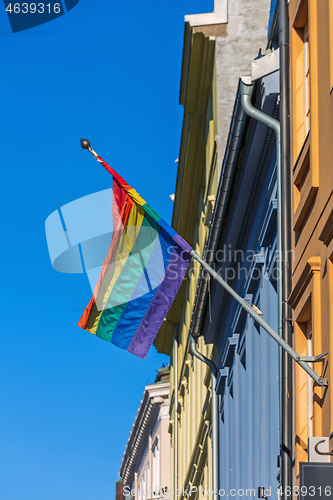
194 433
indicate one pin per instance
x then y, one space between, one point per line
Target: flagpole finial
85 144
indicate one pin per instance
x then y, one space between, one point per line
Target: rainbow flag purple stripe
140 277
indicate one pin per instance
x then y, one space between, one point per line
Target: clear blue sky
110 72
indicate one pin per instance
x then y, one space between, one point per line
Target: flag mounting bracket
313 359
301 360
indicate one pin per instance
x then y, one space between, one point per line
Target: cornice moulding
218 16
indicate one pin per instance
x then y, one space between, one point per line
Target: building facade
311 43
248 358
217 49
145 468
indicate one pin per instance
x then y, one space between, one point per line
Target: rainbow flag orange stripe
143 270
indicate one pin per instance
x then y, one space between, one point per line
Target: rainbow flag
143 270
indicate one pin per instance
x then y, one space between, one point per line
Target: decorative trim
230 380
311 266
304 206
301 161
240 316
269 224
229 350
218 16
271 265
327 233
257 263
221 380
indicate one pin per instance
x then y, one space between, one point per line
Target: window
306 80
231 383
305 329
304 111
156 468
256 324
330 6
306 301
243 356
300 73
144 486
222 410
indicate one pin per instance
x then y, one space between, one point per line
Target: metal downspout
215 417
286 363
275 125
229 166
175 411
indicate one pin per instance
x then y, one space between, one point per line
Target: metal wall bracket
313 359
259 319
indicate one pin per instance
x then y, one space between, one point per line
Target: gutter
229 166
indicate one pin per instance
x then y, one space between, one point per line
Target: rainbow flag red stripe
145 266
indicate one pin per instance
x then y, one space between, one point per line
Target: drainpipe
215 417
275 125
175 411
286 363
310 384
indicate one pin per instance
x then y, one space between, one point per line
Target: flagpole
250 309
